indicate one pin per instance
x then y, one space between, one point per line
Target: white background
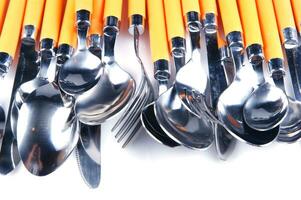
148 170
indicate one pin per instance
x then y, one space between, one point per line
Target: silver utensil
82 71
115 86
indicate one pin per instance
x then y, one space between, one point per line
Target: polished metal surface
231 101
89 169
47 132
148 116
82 70
129 123
175 118
5 63
113 90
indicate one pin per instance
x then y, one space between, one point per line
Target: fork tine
131 118
133 133
132 104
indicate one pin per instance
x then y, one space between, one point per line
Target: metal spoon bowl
47 132
265 108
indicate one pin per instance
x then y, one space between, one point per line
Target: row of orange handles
261 21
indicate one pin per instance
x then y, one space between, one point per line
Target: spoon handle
158 40
113 8
296 4
271 40
10 34
3 9
175 32
84 5
52 19
32 20
233 30
96 29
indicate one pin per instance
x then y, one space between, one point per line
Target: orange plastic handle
208 6
97 17
221 40
269 30
297 13
52 20
113 8
174 19
67 33
33 14
230 16
84 5
3 8
157 30
136 7
284 16
12 27
190 6
250 22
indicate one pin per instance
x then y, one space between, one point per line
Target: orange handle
53 15
190 6
3 8
136 7
230 16
221 41
33 14
208 6
67 33
174 20
250 22
84 5
157 30
12 27
269 30
113 8
284 16
297 13
97 17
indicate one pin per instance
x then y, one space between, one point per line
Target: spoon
47 132
179 123
115 86
10 34
219 61
290 129
267 105
160 58
82 71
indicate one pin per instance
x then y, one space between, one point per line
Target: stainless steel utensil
115 86
160 58
82 71
129 123
179 123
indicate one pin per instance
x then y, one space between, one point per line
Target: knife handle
296 7
285 21
250 22
113 8
52 20
97 17
269 30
